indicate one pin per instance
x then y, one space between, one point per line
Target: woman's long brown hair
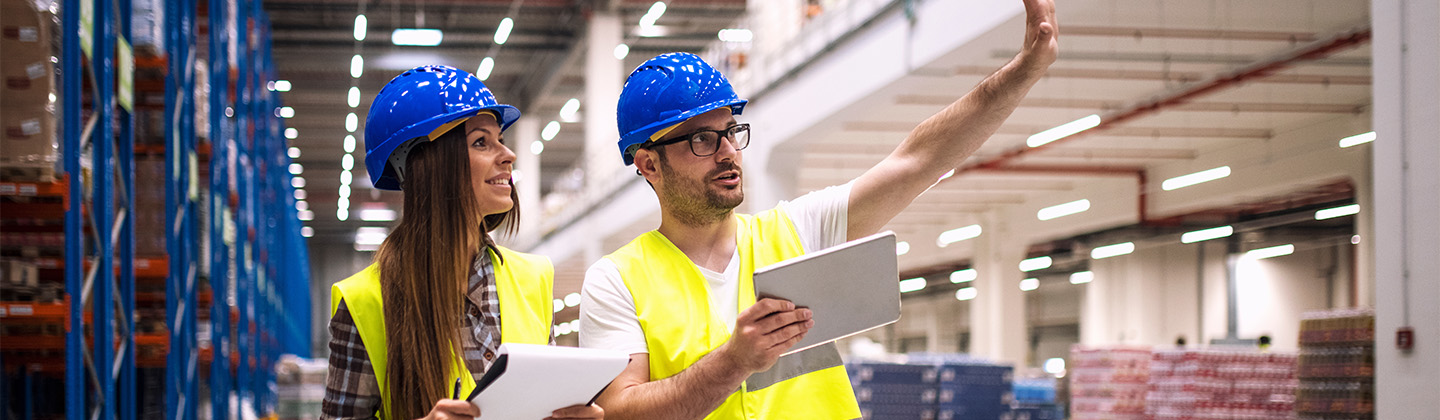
425 266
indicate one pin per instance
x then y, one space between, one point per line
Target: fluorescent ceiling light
1063 131
572 300
621 51
1332 213
1271 252
307 215
291 133
1183 181
307 231
417 37
371 235
357 66
342 214
297 182
965 275
300 194
1357 139
287 112
360 26
345 177
1062 210
282 85
1082 277
956 235
302 205
966 293
1115 250
559 305
536 148
296 169
347 162
1206 234
502 33
652 31
377 215
1037 263
550 130
343 203
902 248
349 143
911 285
1355 239
736 35
352 122
345 194
359 247
293 152
353 97
656 10
568 111
487 65
1029 284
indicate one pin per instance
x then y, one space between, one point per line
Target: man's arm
762 333
943 141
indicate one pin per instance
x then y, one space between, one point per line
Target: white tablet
851 288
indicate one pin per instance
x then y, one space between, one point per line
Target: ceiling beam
1104 105
1172 76
1184 33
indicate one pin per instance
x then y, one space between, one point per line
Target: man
681 300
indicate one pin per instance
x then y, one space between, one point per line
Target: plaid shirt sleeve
351 391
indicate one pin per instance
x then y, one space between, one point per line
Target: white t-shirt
607 310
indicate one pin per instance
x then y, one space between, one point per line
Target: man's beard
693 202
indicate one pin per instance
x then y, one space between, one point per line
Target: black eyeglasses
707 142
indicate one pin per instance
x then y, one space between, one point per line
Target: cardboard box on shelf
25 41
19 273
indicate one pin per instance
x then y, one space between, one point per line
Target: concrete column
525 132
1407 205
997 314
603 79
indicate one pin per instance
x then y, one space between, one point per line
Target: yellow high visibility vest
673 306
524 283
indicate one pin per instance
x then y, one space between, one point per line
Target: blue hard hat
665 91
413 106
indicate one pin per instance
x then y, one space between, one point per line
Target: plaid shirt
351 391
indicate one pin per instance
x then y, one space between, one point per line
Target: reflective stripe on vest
673 307
523 281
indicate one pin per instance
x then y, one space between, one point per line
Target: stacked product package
933 387
1035 399
301 387
1337 365
1193 384
1109 383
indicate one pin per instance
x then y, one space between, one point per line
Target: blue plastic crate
878 373
896 394
871 411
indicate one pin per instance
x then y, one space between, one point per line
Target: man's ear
647 163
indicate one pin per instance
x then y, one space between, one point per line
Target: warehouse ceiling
1276 66
538 69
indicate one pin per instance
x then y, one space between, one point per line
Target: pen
456 394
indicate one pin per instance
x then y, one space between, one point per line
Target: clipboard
850 288
529 381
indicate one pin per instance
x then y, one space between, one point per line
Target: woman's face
490 164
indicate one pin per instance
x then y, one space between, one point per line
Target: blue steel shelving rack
258 259
102 368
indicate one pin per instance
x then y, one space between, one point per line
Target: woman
441 297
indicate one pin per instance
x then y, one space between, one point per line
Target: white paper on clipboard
850 288
528 382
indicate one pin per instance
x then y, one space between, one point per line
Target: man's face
700 188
